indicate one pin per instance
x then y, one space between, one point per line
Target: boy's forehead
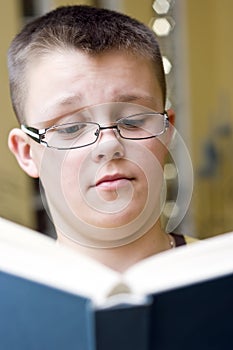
69 80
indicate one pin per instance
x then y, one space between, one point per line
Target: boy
88 89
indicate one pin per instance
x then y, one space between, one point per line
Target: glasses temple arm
34 133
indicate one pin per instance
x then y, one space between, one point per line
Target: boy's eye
70 129
136 122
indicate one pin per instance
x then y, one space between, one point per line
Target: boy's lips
111 181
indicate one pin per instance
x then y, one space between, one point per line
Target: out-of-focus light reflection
161 6
167 65
168 104
171 209
170 171
161 27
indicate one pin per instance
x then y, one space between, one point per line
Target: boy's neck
121 258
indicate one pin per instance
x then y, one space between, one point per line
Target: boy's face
114 183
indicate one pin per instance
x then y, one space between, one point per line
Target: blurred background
197 48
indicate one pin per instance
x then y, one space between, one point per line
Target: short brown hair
92 30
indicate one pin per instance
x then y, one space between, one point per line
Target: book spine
125 327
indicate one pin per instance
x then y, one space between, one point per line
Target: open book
53 298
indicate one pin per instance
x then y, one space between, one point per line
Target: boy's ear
171 116
21 148
170 131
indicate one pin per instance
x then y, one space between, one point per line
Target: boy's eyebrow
70 99
131 98
63 101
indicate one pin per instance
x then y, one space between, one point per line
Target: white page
198 261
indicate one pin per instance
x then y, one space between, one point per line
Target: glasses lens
141 126
72 135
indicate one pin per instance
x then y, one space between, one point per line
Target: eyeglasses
72 135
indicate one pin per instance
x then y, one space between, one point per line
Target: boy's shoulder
183 239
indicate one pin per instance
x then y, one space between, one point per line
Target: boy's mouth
112 182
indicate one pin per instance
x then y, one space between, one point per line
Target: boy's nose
108 146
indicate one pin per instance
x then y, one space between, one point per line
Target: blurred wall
210 56
15 187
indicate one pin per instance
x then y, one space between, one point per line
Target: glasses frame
38 135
